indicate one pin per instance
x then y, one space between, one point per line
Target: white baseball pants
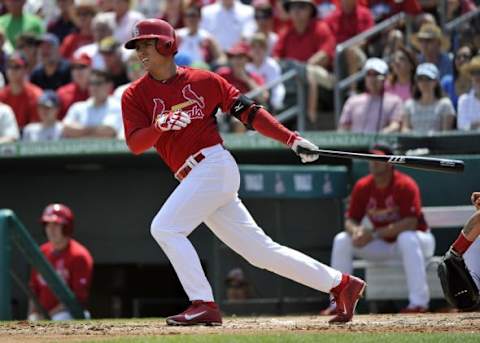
412 247
209 194
472 260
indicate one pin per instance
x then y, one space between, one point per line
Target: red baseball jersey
197 92
383 206
74 264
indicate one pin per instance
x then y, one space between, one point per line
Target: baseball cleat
346 300
414 309
199 313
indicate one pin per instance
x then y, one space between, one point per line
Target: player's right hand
169 120
476 200
307 152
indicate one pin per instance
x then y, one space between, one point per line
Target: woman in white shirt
469 103
429 110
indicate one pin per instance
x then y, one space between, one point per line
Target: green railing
13 232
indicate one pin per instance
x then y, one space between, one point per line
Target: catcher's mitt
458 286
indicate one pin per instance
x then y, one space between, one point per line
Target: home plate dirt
23 331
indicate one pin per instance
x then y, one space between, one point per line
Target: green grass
305 338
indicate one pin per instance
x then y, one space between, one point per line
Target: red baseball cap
82 59
239 49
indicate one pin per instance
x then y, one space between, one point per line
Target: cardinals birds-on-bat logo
191 97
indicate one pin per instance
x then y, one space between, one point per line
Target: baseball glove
458 286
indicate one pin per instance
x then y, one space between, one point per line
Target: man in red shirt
173 109
347 21
310 41
391 201
77 90
70 259
20 94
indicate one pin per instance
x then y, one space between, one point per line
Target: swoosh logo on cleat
193 316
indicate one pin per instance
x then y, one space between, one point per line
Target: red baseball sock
461 244
339 288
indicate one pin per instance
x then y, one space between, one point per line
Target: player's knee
157 230
408 238
342 239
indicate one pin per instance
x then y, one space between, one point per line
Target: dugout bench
386 280
445 207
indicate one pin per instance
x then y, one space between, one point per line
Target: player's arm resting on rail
356 208
140 131
81 277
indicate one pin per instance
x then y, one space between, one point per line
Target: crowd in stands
63 67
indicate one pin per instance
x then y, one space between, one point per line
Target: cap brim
53 219
131 43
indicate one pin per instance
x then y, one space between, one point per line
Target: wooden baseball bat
424 163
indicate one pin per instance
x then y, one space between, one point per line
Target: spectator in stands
20 94
433 46
228 21
77 90
135 70
395 40
105 5
8 125
401 80
309 41
267 67
456 8
429 110
63 24
111 51
99 116
391 201
173 12
125 19
70 259
103 25
237 286
53 71
383 9
16 21
263 14
458 83
375 110
82 15
197 43
347 21
49 128
236 73
28 44
469 103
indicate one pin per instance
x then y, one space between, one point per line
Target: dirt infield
24 331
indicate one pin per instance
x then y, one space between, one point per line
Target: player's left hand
307 153
169 120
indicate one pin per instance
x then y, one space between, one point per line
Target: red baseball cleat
346 299
199 313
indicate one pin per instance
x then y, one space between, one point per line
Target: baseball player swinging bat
423 163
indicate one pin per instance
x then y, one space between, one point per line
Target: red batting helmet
159 29
61 214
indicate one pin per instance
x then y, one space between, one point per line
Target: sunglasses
424 78
475 72
15 67
85 14
96 83
78 67
463 56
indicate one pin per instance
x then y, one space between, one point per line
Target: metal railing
343 84
297 110
452 25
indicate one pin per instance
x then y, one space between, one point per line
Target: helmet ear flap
164 48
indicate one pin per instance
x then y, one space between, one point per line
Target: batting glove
307 152
168 120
